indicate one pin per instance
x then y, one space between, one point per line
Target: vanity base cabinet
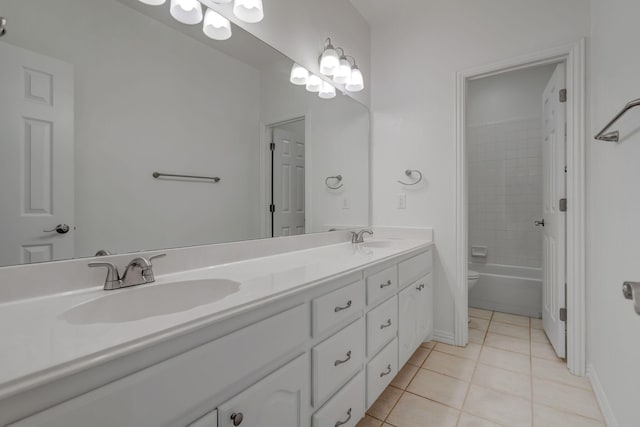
279 400
415 323
345 408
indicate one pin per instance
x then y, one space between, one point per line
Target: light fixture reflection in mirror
249 11
186 11
153 2
343 72
222 1
327 91
314 84
216 26
299 75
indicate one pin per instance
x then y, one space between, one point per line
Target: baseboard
444 337
601 397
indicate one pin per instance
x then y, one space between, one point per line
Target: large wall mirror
97 96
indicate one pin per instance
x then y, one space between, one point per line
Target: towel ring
337 178
409 173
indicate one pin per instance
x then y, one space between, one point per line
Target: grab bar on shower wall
614 136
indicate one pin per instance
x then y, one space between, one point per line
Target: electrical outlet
402 201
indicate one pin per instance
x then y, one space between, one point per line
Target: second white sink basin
145 301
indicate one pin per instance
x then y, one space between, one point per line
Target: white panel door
554 226
288 183
279 400
36 157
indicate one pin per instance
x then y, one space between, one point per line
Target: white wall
613 204
298 28
504 142
138 110
508 96
337 142
417 47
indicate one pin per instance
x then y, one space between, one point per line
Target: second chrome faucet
138 272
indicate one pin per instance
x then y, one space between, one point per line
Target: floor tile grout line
564 411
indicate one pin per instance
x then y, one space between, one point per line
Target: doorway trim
574 56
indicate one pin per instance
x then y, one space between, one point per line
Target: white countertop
38 345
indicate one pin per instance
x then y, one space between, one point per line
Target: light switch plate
402 201
345 203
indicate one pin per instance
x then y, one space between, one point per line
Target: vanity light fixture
153 2
186 11
342 74
329 60
327 91
314 84
250 11
221 1
216 26
299 75
356 82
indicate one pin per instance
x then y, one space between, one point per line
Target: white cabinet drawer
170 390
414 268
209 420
336 360
345 408
382 284
279 400
381 370
338 306
382 325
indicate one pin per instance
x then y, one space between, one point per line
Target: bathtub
508 289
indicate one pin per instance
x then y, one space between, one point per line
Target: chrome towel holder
614 136
409 173
337 178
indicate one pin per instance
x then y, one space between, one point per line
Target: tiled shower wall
505 191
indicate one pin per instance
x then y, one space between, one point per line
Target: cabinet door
279 400
408 335
425 307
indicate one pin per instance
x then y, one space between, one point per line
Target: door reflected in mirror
98 95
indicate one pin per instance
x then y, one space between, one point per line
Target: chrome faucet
359 236
138 272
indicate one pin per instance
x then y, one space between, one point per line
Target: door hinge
272 146
563 95
563 314
272 208
563 205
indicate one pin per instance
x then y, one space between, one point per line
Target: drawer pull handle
421 287
339 423
237 417
387 372
386 325
384 285
340 362
338 309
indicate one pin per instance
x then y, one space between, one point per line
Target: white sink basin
143 301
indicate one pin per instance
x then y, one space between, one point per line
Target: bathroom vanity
304 338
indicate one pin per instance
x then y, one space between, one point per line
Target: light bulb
250 11
356 82
314 84
329 61
216 26
343 72
186 11
299 75
327 91
153 2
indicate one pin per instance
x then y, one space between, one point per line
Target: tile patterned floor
508 375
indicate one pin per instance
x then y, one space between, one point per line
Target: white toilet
472 279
